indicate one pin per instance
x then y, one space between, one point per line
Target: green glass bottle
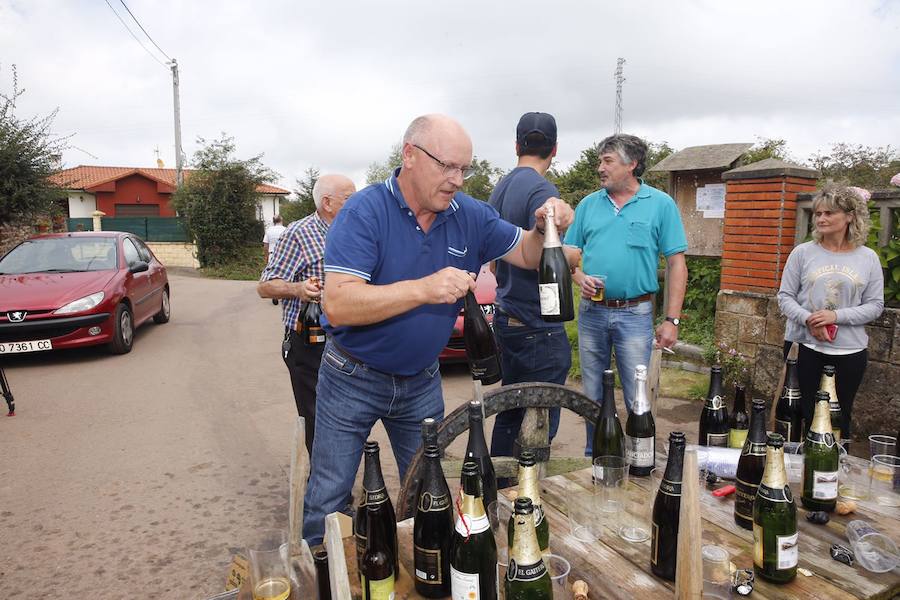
640 429
827 384
775 519
609 440
751 465
527 577
820 460
714 417
432 529
739 422
473 551
666 510
788 411
374 492
529 488
376 573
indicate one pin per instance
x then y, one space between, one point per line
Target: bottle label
775 494
654 544
360 547
428 565
670 488
827 439
464 586
538 515
825 485
715 403
758 545
787 551
476 525
744 495
784 428
640 452
549 293
717 439
376 497
754 449
517 572
429 503
379 589
484 368
315 335
737 437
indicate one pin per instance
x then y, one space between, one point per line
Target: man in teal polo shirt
621 230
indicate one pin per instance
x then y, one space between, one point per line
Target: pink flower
895 180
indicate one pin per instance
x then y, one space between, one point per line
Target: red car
68 290
485 294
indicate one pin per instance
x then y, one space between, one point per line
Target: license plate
487 309
18 347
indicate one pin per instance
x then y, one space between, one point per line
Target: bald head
331 185
433 130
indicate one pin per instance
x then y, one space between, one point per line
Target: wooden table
615 568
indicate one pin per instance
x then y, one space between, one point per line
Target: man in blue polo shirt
621 230
399 258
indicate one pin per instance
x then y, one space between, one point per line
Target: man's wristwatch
674 321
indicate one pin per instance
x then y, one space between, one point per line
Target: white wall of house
81 204
267 207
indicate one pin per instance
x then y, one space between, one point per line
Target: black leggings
848 374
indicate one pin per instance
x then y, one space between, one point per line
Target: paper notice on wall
711 198
714 214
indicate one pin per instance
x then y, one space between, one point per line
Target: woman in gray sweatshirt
834 280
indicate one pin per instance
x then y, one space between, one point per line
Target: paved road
140 476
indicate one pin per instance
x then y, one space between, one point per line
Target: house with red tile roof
139 192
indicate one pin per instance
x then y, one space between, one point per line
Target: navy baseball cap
536 123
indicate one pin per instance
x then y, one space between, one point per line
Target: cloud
334 84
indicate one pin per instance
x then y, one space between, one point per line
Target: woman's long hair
835 196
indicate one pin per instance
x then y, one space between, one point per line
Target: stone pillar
760 226
97 216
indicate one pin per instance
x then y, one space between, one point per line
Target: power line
147 50
144 30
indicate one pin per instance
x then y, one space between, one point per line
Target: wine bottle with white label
432 529
527 577
473 551
481 347
775 550
640 429
377 573
820 460
714 418
554 277
608 437
788 411
750 466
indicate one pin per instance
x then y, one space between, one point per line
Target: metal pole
179 158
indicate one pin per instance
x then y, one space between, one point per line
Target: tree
766 148
858 165
304 204
655 153
482 182
378 172
218 201
29 156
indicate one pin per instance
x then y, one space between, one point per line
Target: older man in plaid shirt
295 274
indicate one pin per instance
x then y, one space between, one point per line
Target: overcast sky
333 84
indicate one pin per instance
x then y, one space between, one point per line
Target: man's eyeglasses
448 170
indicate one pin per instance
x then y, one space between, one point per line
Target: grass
247 267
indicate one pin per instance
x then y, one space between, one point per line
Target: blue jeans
528 354
600 329
351 397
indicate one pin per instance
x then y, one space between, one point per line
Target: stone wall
751 323
13 233
176 254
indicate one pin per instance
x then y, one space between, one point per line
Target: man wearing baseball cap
532 350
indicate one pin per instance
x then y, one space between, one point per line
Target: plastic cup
270 564
559 576
499 512
874 551
882 444
884 479
610 479
635 518
716 572
854 479
584 519
601 289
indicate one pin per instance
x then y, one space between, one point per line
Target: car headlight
80 305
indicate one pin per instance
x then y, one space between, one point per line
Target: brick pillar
760 222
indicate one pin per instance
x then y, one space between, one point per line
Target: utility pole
179 158
620 79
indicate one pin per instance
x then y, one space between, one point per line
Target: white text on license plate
32 346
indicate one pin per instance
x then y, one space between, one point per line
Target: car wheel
123 335
165 309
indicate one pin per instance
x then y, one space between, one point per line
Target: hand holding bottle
447 285
563 215
310 289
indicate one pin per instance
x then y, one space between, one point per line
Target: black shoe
275 301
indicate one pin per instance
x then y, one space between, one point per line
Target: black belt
618 303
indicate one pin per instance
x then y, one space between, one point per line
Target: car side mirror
139 267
